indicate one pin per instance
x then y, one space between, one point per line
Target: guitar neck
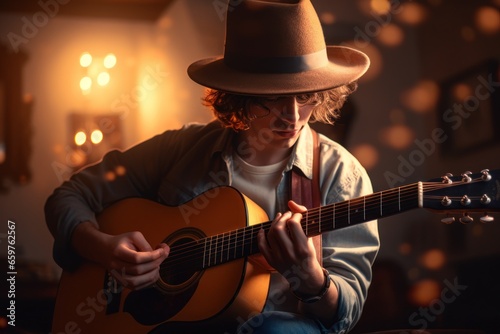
236 244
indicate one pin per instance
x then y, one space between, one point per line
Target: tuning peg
486 175
465 200
446 201
448 220
447 178
486 219
465 177
466 219
485 199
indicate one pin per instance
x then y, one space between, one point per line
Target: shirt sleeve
349 253
133 173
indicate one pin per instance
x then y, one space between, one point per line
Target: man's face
283 116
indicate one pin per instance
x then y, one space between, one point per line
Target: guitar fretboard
221 248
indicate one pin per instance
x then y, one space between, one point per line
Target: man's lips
287 133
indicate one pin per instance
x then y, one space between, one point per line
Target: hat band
292 64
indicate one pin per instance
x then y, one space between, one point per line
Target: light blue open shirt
174 167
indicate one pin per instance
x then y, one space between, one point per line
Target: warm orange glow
423 97
381 7
80 138
109 176
398 136
327 18
488 20
85 59
109 61
120 170
424 292
96 136
366 154
461 92
433 259
391 35
412 13
77 157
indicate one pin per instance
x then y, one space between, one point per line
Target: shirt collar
302 154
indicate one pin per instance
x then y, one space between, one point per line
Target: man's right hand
128 257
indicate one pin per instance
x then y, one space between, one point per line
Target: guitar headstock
464 194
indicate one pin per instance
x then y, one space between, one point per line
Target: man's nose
289 109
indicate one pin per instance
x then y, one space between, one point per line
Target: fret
228 244
364 208
348 202
209 252
307 222
381 205
222 247
319 220
204 252
333 217
399 199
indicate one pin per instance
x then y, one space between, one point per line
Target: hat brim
345 66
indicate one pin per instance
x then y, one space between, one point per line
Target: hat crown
263 34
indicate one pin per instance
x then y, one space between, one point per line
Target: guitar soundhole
183 267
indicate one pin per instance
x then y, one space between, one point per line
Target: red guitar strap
307 192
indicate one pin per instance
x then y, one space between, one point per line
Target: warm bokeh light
391 35
433 259
327 18
487 20
120 170
80 138
110 60
103 78
412 13
366 154
423 97
85 59
398 136
96 136
424 292
380 7
461 92
85 84
109 176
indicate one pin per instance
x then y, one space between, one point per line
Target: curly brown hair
232 109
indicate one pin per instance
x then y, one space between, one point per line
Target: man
276 75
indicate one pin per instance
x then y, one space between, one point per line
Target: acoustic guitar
209 279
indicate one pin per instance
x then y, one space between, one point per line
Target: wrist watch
320 295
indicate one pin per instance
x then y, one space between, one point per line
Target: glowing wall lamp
96 70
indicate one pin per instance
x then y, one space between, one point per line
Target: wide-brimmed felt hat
277 48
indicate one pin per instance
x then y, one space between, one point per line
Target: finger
295 228
278 235
296 208
263 244
137 281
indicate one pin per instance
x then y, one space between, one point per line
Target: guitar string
339 211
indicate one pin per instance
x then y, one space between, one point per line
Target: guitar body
90 301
